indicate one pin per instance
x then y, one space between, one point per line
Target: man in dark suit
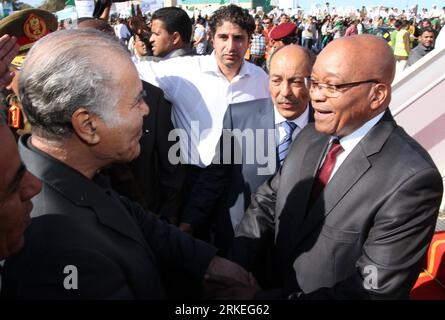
259 134
85 240
351 213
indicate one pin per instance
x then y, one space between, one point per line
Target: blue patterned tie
283 147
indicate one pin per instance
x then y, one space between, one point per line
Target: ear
379 96
85 126
176 38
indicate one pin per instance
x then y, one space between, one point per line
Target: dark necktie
283 147
323 174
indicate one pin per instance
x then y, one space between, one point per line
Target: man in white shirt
352 211
201 87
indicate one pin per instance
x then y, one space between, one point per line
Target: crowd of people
230 157
310 31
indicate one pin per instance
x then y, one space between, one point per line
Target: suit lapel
80 191
239 116
344 179
294 227
112 213
299 183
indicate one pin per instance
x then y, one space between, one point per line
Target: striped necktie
283 147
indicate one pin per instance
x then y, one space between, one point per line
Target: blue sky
357 3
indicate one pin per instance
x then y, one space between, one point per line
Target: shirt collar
425 48
301 121
209 64
136 58
170 54
350 141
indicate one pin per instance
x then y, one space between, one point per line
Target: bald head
351 83
289 66
293 53
367 55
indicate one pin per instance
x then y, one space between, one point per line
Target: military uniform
27 26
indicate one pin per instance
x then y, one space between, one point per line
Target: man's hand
186 227
222 288
227 280
8 50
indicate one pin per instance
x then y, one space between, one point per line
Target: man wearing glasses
352 210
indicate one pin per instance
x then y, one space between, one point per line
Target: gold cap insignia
35 27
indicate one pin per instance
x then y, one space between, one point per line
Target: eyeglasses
334 90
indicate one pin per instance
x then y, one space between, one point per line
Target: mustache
285 100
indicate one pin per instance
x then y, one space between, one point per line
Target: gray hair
62 73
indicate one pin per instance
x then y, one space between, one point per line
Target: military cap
282 31
28 26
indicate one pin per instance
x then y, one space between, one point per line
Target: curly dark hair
234 14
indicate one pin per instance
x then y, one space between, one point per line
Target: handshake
227 280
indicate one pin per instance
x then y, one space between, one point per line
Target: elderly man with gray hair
85 240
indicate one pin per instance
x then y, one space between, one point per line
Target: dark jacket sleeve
206 194
254 236
171 246
44 268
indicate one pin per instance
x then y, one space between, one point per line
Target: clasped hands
225 279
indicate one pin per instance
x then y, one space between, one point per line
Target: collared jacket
87 242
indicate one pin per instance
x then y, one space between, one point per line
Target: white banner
85 8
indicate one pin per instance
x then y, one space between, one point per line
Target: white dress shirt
350 141
200 95
301 122
137 59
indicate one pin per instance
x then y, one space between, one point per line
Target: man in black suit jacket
254 132
365 235
85 240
